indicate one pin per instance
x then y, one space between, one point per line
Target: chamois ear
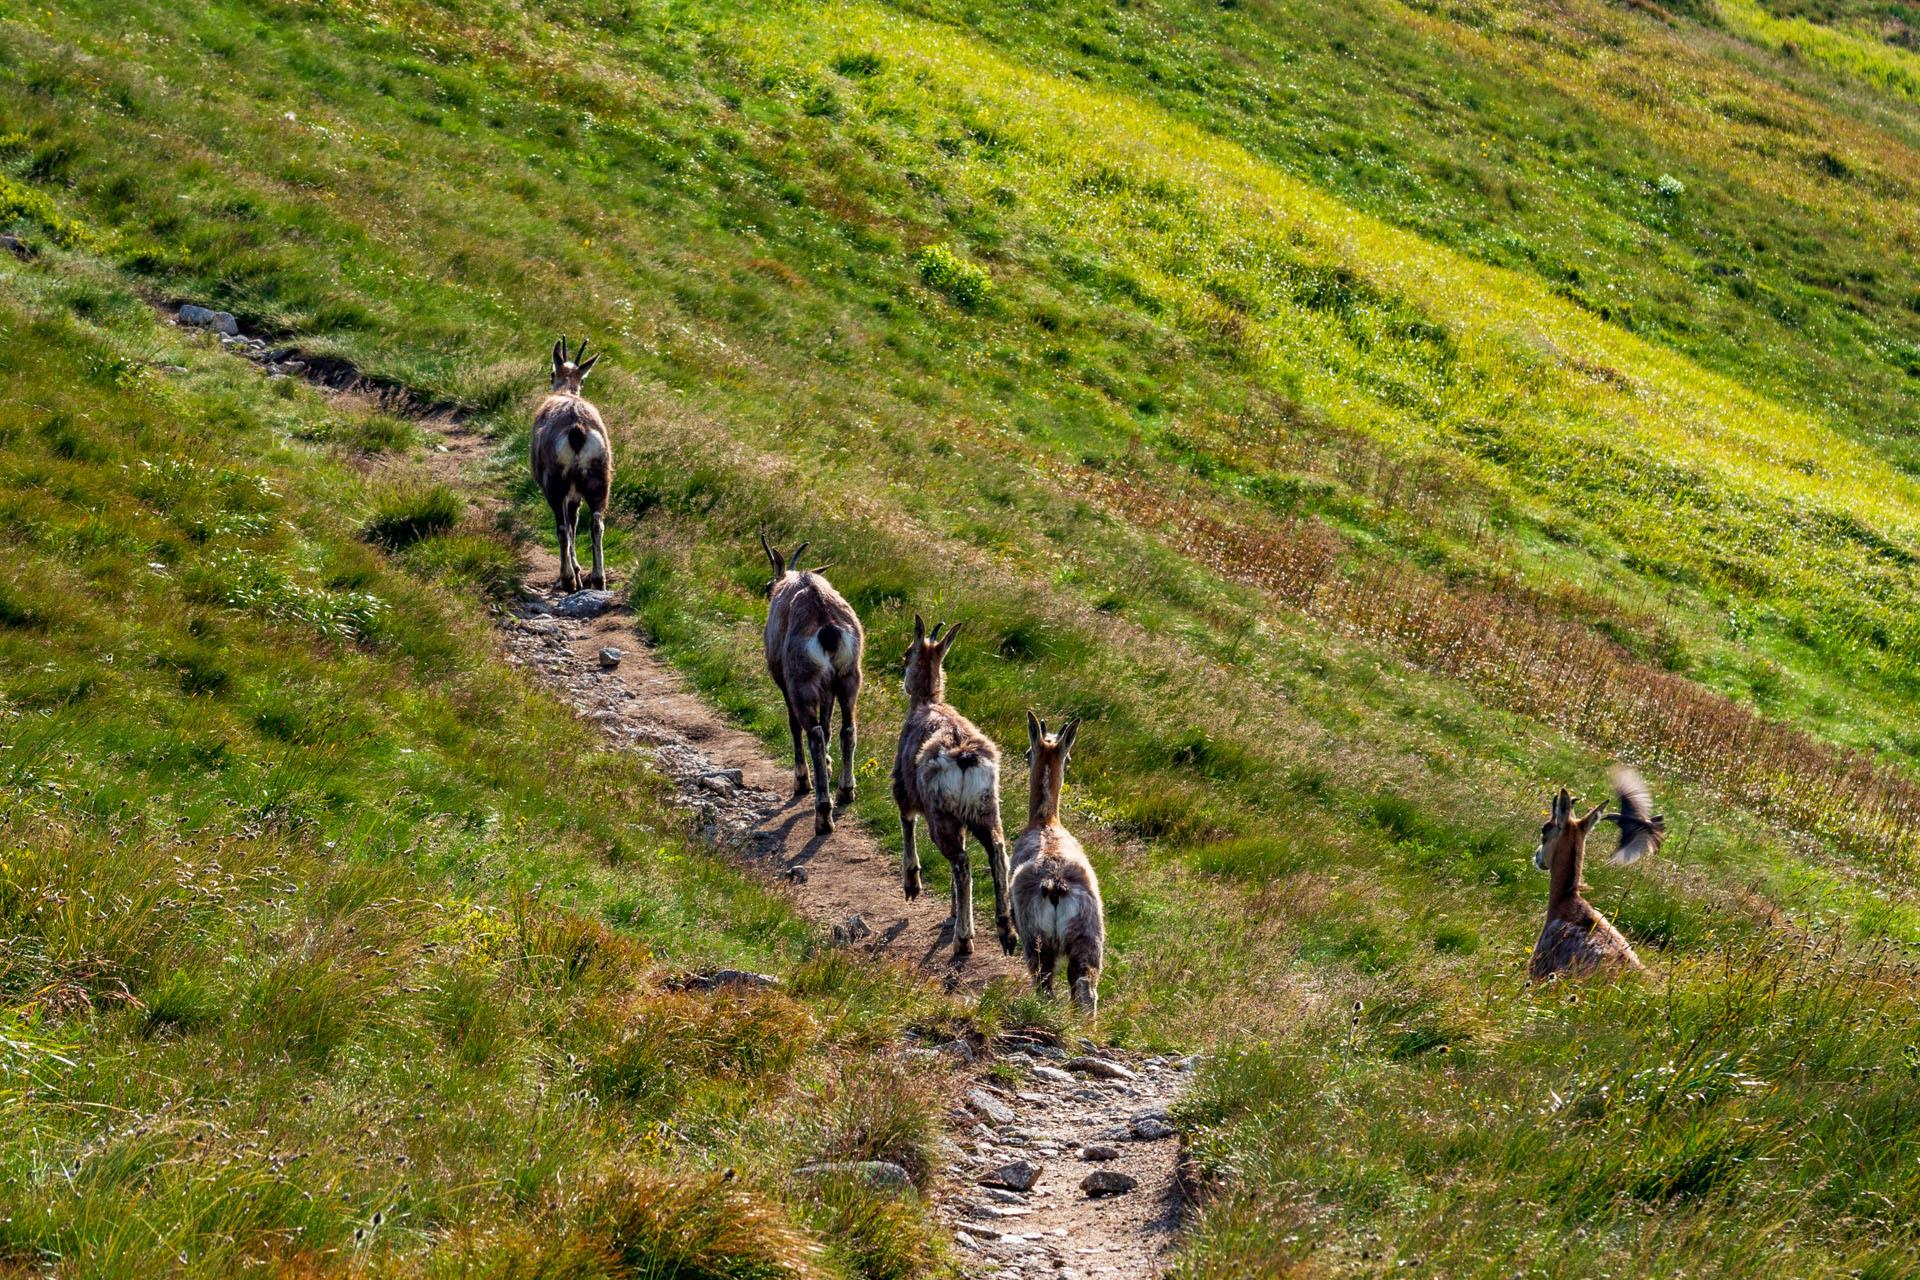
795 558
587 368
1591 820
1067 734
1036 728
772 555
919 629
1562 806
952 631
559 353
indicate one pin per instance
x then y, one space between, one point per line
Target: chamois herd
946 770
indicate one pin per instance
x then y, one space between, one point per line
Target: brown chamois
573 462
1577 939
813 649
1056 895
948 772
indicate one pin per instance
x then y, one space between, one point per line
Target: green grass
1169 346
326 943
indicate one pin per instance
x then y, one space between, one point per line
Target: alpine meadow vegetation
1365 418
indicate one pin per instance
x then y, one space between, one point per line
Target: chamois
1056 895
948 772
813 646
573 462
1577 939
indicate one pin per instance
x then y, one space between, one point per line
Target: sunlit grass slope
1133 379
326 946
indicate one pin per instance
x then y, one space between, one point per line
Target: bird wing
1635 801
1643 842
1641 830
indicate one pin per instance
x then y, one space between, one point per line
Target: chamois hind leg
1083 975
561 523
995 843
848 692
800 782
951 839
599 578
822 806
570 557
909 858
1041 960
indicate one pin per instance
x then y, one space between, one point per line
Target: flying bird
1641 829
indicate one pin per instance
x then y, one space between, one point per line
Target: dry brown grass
1516 650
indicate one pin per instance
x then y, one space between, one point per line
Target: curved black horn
792 563
771 554
580 352
935 636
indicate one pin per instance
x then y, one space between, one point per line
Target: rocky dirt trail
1063 1162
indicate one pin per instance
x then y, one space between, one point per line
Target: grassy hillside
324 944
1365 415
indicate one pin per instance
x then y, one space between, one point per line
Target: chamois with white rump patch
948 772
1577 939
573 462
1056 895
813 646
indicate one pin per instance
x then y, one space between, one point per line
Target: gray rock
1099 1151
1151 1130
717 785
1151 1113
875 1173
16 246
585 604
173 368
1100 1067
958 1049
992 1110
853 930
965 1241
1001 1196
1067 1273
1107 1182
1052 1075
729 978
610 657
1015 1175
731 775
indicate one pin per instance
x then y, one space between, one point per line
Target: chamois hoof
1009 941
597 581
823 820
910 882
962 947
801 785
844 799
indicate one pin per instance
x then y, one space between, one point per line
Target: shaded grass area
325 944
